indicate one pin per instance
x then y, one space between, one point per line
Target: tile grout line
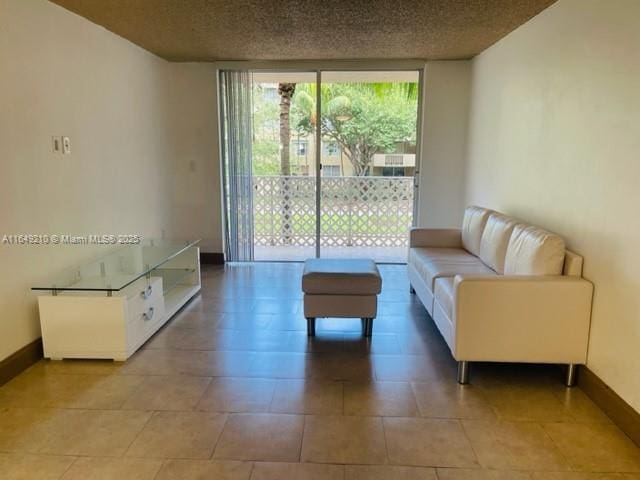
273 394
557 447
386 446
304 430
466 435
162 464
68 468
415 399
153 413
496 413
224 425
204 392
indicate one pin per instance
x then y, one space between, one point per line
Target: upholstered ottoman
341 288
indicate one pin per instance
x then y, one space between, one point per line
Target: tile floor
294 253
233 389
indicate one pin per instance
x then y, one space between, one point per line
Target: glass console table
110 307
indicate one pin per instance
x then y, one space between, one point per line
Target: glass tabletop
118 268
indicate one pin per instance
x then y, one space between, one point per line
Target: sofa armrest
542 319
435 237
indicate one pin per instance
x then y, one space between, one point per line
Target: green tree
266 154
362 118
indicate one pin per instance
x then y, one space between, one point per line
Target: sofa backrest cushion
475 218
495 239
533 251
572 264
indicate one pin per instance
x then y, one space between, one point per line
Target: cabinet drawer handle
147 292
148 315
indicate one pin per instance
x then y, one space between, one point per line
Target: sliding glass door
284 166
369 123
333 159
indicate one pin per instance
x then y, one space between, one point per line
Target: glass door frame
318 67
318 159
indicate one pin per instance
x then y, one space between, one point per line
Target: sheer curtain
235 140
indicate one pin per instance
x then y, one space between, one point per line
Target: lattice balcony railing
355 211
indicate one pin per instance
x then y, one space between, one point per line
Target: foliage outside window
358 121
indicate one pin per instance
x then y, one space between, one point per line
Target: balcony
394 160
360 217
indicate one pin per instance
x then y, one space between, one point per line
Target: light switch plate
56 144
66 145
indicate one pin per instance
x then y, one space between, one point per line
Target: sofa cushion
572 264
444 294
475 218
533 251
495 239
432 263
439 254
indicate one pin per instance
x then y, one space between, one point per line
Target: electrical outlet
66 145
56 144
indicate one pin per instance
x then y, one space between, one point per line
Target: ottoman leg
367 326
311 327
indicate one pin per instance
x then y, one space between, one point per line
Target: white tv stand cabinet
110 307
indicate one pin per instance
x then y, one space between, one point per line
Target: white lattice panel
355 211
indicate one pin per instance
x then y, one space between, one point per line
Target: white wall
554 138
62 75
444 133
195 189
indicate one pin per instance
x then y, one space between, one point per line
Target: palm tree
286 91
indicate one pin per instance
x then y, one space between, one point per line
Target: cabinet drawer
141 325
142 294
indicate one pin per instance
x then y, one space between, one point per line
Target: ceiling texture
210 30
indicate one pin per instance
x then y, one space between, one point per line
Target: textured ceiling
186 30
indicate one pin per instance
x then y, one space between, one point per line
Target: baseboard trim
19 361
619 411
208 258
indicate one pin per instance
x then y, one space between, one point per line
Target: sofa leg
412 290
311 327
367 326
572 375
463 372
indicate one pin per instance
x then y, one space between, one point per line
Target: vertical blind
235 140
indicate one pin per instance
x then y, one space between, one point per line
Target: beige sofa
501 290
